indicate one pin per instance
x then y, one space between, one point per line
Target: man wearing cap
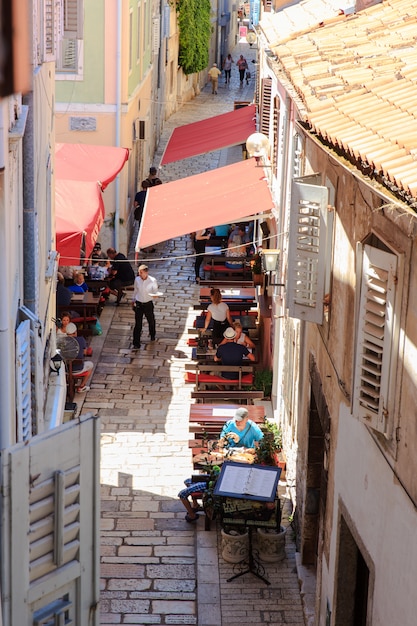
214 74
80 366
145 289
231 353
240 431
100 255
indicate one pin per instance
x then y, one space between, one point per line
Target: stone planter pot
271 544
235 546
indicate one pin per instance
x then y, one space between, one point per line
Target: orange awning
82 172
214 133
223 195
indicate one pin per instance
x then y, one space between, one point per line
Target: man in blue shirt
231 353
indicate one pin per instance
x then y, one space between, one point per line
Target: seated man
231 353
121 274
238 432
81 366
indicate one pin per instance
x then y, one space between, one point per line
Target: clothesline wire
192 255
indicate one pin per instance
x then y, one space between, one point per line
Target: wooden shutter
275 112
23 383
51 506
52 18
307 251
265 109
73 19
376 282
156 34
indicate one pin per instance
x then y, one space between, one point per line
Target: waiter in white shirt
145 289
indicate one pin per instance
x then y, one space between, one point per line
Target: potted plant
256 267
266 452
263 382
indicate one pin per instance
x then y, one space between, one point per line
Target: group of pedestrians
214 72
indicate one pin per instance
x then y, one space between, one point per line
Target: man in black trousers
144 291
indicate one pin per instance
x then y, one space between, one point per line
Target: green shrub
194 34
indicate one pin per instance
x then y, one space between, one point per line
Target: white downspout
118 116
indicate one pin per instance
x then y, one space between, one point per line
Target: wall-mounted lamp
257 145
270 261
55 363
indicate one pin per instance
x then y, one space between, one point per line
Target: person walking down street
227 66
121 274
144 291
214 74
140 198
153 177
242 66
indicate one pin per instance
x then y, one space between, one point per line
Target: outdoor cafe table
85 306
221 413
232 294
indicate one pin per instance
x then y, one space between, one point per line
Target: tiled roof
357 78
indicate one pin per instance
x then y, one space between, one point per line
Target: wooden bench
211 374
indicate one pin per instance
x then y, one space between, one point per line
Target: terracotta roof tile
357 76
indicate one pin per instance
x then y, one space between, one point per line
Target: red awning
223 195
82 172
211 134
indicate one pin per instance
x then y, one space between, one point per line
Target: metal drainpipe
118 116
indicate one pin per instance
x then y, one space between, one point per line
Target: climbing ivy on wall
194 30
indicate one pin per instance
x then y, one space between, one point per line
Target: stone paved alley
156 568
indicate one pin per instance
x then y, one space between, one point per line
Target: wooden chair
74 377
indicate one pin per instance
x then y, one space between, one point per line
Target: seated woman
220 313
79 286
240 337
238 432
65 320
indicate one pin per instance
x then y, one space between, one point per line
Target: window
307 248
377 335
57 612
69 51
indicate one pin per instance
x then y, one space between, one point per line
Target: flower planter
258 279
235 546
271 544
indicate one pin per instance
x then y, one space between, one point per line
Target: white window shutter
376 281
156 34
23 383
73 19
52 28
307 251
265 112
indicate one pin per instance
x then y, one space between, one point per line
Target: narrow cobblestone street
156 568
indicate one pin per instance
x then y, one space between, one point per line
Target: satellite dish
68 347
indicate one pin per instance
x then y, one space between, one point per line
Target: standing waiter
145 289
